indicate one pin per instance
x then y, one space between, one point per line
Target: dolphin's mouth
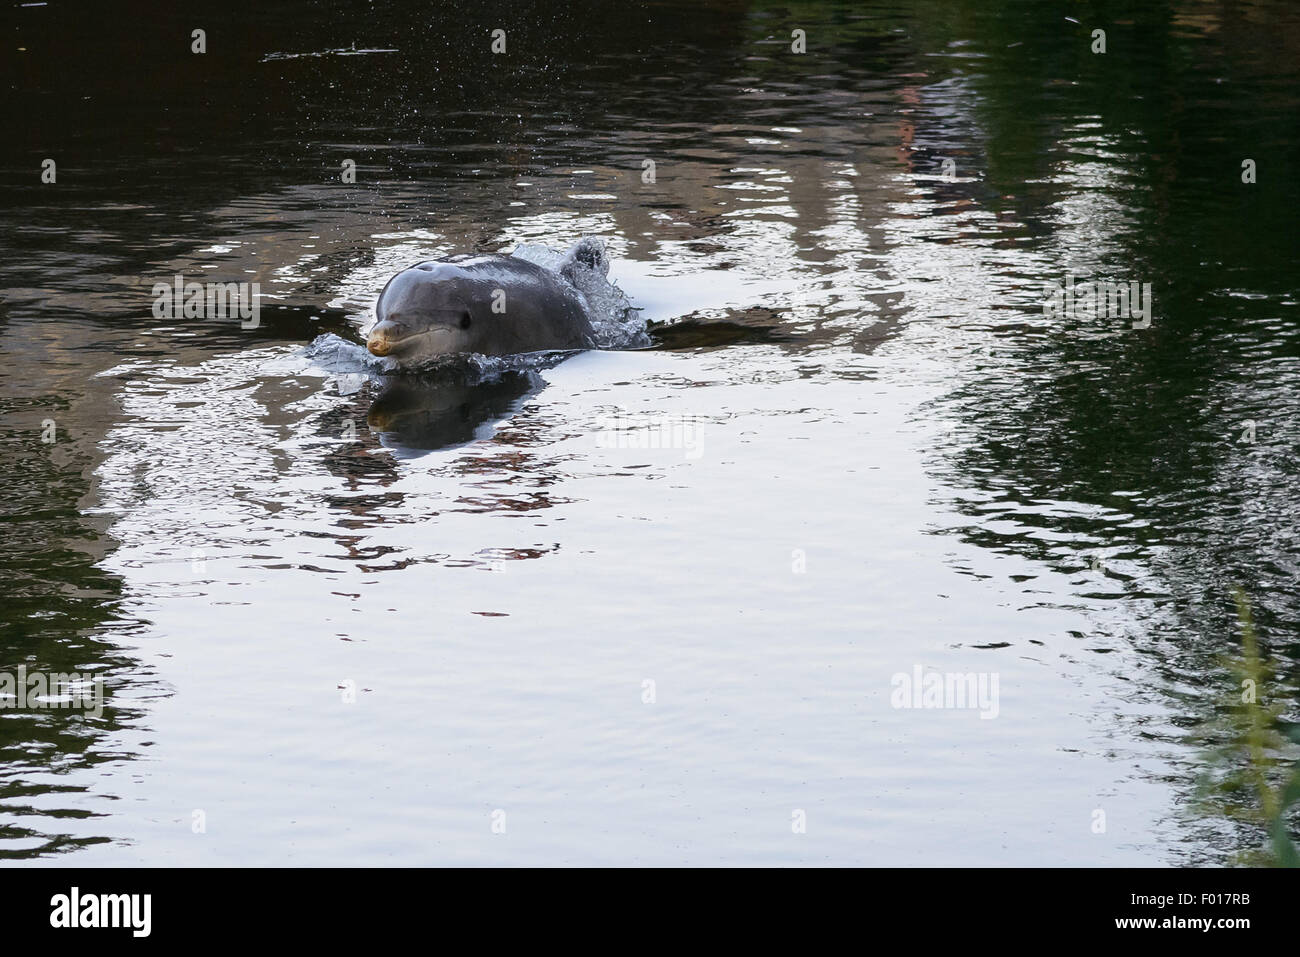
381 344
384 346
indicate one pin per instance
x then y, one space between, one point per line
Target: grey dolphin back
544 311
561 309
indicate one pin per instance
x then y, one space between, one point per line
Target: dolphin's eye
464 320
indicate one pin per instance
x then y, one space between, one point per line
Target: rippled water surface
647 604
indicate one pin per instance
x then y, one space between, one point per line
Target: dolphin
493 305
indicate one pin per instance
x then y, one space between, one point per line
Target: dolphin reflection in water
425 414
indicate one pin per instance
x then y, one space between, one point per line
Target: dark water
886 456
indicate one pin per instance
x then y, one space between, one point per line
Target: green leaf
1291 793
1283 849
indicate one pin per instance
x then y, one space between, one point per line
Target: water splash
617 323
339 356
336 354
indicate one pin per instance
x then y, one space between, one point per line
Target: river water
648 605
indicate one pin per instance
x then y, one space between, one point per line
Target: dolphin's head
427 311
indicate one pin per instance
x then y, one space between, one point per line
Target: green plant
1253 774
